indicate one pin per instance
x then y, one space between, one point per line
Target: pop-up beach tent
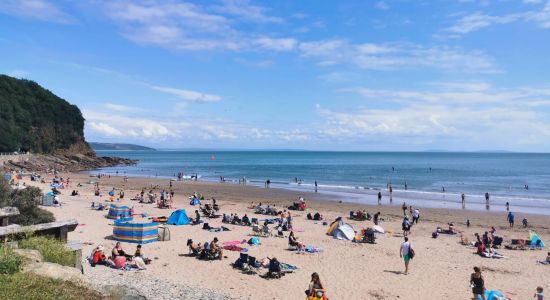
135 232
119 212
178 217
535 240
195 201
341 231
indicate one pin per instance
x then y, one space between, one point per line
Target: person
406 252
121 195
477 283
463 196
511 219
404 207
197 217
246 221
118 251
316 289
406 186
194 248
525 222
540 293
98 257
376 217
391 193
487 198
507 206
406 226
139 259
216 249
293 241
415 215
379 198
468 223
316 186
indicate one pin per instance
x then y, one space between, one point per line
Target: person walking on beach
379 198
316 186
487 198
391 193
478 284
463 200
406 226
507 206
416 215
511 219
405 185
406 252
404 208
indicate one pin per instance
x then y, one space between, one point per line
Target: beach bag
411 253
164 233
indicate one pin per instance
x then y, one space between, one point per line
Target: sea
424 179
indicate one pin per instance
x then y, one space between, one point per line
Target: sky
391 75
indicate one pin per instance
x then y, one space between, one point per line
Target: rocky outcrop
65 162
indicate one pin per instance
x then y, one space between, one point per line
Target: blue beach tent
195 201
491 295
179 217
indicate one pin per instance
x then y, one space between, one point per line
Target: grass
52 250
22 286
10 262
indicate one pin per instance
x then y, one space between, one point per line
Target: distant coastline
119 146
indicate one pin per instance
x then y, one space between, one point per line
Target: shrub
52 250
23 286
26 201
10 262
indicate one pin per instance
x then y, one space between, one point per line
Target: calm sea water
356 176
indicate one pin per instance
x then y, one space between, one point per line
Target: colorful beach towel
235 248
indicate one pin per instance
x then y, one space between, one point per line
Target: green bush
52 250
26 201
23 286
10 262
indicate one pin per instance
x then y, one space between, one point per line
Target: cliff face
34 119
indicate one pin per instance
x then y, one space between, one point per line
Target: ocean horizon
428 179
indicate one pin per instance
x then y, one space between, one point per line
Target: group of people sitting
236 220
300 205
267 210
486 244
360 215
119 259
206 251
315 217
210 210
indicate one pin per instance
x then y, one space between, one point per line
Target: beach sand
440 270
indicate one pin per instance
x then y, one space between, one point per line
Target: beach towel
235 248
231 243
312 249
492 295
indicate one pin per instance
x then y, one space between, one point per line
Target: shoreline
424 199
343 266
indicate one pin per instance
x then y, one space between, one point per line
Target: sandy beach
440 270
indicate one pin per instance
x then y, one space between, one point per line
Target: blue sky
326 75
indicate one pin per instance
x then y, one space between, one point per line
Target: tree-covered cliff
34 119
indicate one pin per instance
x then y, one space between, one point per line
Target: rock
122 292
30 256
55 271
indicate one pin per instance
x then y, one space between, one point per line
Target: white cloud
42 10
243 9
121 125
277 44
532 1
477 21
187 94
105 129
393 56
382 5
120 107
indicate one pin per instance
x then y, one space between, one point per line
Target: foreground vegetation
26 201
52 250
15 285
28 286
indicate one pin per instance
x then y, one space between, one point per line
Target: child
539 294
468 223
